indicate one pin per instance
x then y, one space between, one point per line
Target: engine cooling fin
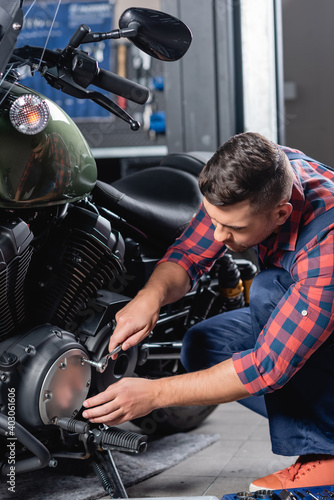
15 257
84 259
12 302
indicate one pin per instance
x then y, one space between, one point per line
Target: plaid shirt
290 335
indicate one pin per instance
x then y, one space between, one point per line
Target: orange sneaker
309 470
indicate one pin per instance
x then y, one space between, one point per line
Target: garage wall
308 48
229 81
200 89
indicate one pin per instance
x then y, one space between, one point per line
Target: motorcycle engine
46 369
47 286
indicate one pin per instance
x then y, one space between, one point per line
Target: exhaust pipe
42 455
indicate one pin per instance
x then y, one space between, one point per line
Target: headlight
29 114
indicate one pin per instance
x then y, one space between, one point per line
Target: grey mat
82 484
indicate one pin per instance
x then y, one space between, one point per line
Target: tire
174 419
171 420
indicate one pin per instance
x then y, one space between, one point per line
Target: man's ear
283 212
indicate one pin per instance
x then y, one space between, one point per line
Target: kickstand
106 470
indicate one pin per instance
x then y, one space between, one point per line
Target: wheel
173 419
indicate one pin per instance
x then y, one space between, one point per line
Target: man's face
238 227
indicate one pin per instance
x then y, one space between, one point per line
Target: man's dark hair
247 167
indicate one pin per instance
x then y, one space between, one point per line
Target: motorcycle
74 250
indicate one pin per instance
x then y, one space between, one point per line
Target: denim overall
301 413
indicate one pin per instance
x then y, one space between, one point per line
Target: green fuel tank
51 167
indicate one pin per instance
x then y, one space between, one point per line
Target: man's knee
216 339
271 283
192 345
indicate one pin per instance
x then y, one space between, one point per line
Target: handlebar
85 71
72 70
107 80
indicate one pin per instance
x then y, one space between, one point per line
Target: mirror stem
130 31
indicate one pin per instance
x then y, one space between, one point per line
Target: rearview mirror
158 34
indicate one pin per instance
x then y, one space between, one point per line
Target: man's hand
168 283
135 321
125 400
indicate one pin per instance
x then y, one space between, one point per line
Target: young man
47 172
282 344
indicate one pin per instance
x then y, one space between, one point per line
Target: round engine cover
54 381
65 386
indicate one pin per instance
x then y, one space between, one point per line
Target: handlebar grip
107 80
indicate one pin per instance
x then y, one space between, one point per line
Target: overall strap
298 156
314 227
308 232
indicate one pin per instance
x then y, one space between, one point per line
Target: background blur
259 65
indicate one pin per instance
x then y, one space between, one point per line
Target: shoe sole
253 488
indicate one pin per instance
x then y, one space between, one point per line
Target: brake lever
60 79
71 71
109 105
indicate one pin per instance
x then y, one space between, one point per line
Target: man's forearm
134 397
169 282
215 385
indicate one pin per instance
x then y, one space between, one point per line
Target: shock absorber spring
230 283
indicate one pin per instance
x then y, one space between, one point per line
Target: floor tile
226 485
170 486
199 466
242 454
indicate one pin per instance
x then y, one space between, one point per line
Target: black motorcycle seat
158 201
191 162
